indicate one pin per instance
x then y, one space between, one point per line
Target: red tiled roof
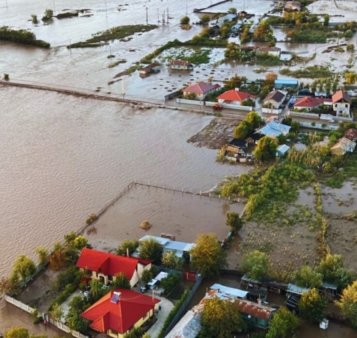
255 310
200 88
234 95
340 95
107 263
309 102
119 316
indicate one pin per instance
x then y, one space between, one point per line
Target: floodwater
171 212
63 158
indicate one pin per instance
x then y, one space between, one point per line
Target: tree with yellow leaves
348 303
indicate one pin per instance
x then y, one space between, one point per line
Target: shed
282 150
286 83
225 292
294 289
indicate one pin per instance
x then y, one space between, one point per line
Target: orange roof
234 95
119 310
339 96
107 263
253 309
309 102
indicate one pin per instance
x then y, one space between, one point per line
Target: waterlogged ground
172 212
66 157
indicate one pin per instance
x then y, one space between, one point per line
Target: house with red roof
307 103
200 90
341 104
120 311
106 266
235 96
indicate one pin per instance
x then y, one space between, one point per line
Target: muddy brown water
63 158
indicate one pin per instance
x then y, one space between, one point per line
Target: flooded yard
171 212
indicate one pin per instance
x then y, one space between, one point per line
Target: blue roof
169 245
228 292
287 81
274 129
292 288
282 149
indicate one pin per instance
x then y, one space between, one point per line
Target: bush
21 36
185 20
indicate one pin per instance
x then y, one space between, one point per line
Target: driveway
166 307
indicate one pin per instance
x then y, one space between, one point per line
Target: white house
341 104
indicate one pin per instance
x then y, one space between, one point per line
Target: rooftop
106 263
201 88
225 292
119 310
274 129
234 95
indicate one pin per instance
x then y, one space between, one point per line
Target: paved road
166 307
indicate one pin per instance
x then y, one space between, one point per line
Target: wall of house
141 268
342 109
100 276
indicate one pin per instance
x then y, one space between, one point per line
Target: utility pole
54 6
158 16
147 15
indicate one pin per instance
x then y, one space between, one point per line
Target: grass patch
268 191
267 60
347 171
311 72
115 33
21 36
116 63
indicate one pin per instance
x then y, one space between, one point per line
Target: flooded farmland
172 212
64 158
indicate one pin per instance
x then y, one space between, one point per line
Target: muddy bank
218 133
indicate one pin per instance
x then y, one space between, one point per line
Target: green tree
96 288
42 254
308 278
185 20
312 305
170 283
220 319
23 268
265 149
333 271
207 257
34 19
121 282
147 276
256 265
326 20
234 222
170 260
254 119
242 131
73 318
150 249
127 246
283 324
80 242
232 10
205 20
56 311
17 332
348 303
48 15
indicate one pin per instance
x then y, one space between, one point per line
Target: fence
184 305
230 106
61 326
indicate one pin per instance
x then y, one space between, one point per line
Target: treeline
21 36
